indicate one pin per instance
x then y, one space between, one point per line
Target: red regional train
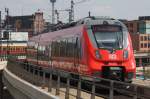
92 46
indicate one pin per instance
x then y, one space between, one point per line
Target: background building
144 26
39 23
140 33
141 42
33 24
133 26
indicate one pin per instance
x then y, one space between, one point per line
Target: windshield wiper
119 41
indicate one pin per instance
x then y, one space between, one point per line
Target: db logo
112 56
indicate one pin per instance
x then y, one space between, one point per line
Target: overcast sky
123 9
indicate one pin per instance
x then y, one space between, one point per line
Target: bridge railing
76 88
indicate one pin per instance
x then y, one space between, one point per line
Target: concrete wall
21 89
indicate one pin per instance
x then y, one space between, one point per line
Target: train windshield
108 36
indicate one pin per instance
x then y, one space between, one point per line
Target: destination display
106 28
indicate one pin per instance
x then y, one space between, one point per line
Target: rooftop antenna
71 13
57 13
89 14
53 11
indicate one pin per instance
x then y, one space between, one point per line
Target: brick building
144 26
140 36
140 33
133 26
141 42
33 24
39 23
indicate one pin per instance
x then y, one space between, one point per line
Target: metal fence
69 87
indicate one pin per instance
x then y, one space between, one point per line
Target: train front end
110 50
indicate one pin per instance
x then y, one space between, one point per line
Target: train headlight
97 54
125 54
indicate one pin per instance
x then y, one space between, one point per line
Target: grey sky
124 9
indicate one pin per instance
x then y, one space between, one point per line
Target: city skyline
126 9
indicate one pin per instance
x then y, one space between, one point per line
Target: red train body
98 47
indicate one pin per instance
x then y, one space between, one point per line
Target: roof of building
144 17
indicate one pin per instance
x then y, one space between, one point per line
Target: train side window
65 47
74 47
53 49
78 48
62 48
56 49
70 47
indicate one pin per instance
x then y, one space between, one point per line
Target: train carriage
94 46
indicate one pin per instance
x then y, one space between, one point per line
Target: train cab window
108 36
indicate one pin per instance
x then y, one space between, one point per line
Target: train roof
50 36
99 21
92 20
74 28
